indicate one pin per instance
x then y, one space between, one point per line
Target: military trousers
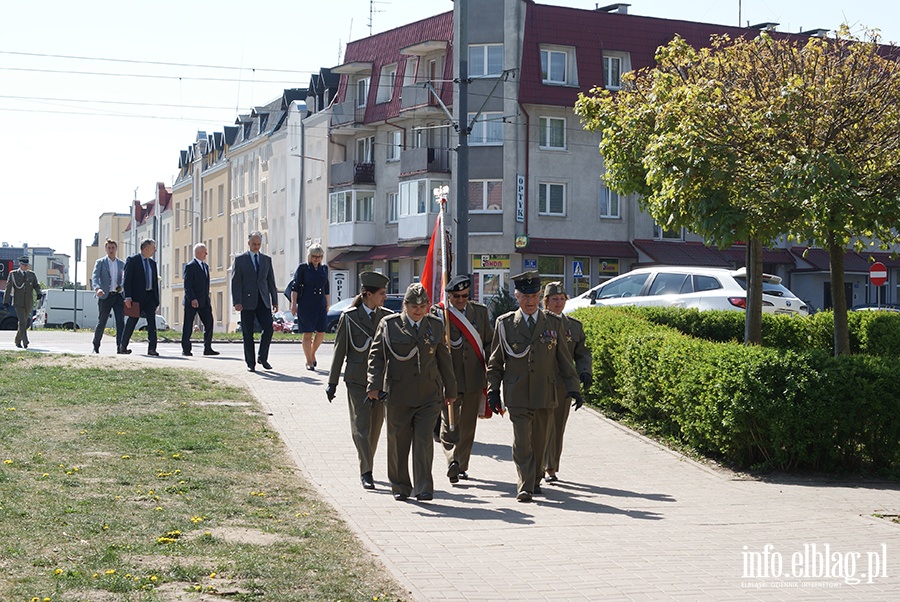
557 430
530 426
24 315
411 428
465 410
366 420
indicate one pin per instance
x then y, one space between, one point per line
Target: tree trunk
839 300
753 317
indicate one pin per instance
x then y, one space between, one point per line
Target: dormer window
362 92
386 83
615 64
558 65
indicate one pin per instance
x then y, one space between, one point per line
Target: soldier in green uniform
529 356
355 331
573 331
21 286
470 340
410 364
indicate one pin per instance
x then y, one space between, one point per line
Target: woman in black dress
310 300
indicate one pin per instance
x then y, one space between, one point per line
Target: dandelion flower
59 571
7 461
110 572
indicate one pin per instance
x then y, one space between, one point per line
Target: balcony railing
418 160
347 113
351 172
415 96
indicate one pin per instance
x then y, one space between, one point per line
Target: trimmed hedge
794 407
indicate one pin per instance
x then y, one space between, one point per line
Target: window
341 210
362 92
394 145
551 199
485 59
614 65
417 198
393 274
220 252
626 286
365 148
551 269
670 284
393 207
177 216
660 233
221 199
365 206
488 130
386 83
409 73
220 303
485 195
558 65
553 133
609 202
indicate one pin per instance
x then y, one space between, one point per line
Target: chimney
767 25
818 32
620 8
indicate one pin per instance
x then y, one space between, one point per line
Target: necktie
529 321
147 273
256 262
205 268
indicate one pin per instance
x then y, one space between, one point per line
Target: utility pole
462 150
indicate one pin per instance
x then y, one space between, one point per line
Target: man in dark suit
255 296
197 301
107 281
141 287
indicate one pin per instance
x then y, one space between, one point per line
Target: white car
161 323
689 287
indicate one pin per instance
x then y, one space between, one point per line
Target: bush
794 407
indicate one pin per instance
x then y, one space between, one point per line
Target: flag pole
451 418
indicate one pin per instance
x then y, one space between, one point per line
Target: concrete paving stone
628 518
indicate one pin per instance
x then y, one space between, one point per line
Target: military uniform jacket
575 340
355 332
20 289
527 364
414 370
467 367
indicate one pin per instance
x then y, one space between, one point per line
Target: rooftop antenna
372 11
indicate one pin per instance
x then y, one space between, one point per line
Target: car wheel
332 328
10 324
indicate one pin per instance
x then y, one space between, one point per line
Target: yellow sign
609 266
521 242
490 262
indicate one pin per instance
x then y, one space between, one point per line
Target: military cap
528 283
458 283
23 260
415 294
373 280
554 288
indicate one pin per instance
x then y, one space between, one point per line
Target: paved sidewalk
628 520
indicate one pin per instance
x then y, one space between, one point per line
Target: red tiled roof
666 252
819 260
738 254
882 256
587 248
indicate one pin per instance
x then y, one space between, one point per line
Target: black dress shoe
523 496
367 481
96 350
265 364
463 474
210 352
453 472
251 368
123 351
425 497
19 345
551 478
537 490
401 497
152 353
187 353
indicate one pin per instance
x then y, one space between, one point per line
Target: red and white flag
433 272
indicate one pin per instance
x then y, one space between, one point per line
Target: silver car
689 287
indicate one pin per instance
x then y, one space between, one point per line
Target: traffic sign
877 274
578 269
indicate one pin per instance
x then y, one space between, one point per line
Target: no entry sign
877 274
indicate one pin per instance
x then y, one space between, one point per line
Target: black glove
494 401
577 399
586 380
330 392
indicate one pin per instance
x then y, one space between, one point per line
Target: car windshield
342 304
776 290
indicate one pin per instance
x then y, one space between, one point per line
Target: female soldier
411 369
355 330
309 301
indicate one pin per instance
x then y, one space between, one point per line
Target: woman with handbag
310 300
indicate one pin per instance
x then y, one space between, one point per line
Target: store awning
674 252
381 253
581 248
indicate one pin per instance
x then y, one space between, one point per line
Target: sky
98 97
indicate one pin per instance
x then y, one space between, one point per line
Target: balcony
347 113
351 234
417 96
351 172
419 160
413 228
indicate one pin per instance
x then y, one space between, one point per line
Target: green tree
751 139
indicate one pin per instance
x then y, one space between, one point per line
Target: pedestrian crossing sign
578 269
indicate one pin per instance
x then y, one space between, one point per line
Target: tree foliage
749 139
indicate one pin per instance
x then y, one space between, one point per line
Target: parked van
60 308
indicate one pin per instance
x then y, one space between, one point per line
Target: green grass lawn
158 484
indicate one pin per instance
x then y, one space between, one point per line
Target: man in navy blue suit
141 287
255 296
197 301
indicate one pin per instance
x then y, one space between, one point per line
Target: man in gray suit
107 281
255 296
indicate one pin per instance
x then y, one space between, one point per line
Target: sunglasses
460 295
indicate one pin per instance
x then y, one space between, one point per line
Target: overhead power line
137 62
116 102
145 75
